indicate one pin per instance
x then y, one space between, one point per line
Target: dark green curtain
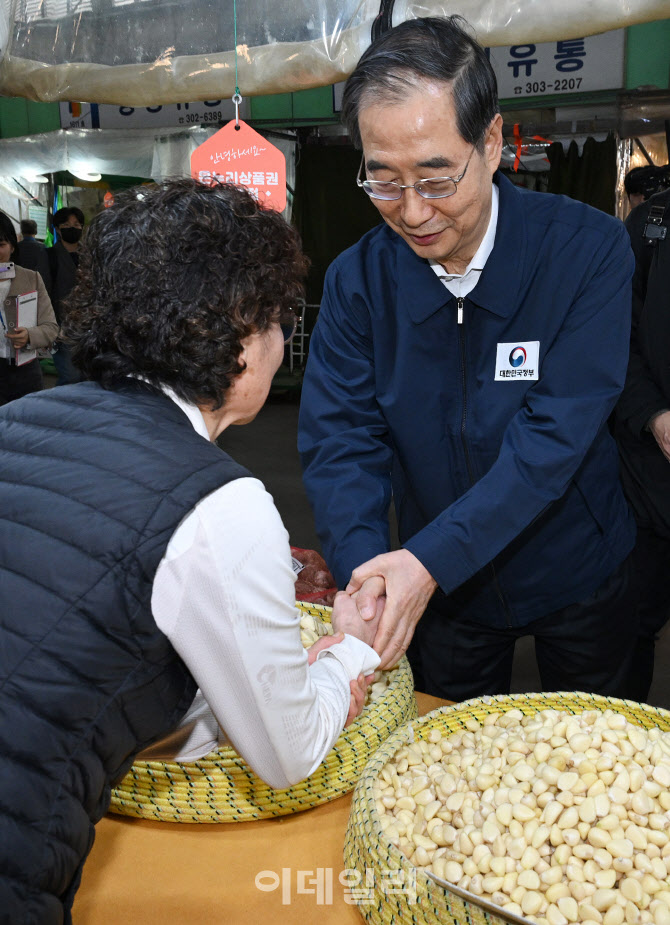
591 177
330 211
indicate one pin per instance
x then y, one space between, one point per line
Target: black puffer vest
93 484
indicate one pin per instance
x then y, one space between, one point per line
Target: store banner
92 115
595 62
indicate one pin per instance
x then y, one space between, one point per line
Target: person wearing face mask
68 224
467 355
19 375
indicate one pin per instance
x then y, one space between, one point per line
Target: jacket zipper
460 302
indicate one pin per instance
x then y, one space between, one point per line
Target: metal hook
237 99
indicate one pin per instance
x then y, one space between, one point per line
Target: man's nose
414 209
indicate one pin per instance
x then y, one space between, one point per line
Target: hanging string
237 98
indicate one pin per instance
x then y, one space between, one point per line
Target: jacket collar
497 290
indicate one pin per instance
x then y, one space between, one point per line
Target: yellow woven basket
222 788
394 892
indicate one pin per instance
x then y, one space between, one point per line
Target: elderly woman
20 371
138 561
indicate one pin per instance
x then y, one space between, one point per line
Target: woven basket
385 877
222 788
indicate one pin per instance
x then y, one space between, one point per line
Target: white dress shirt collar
192 412
461 285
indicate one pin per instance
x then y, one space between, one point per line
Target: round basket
398 893
222 788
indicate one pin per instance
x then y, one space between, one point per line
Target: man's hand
409 586
357 688
347 619
660 428
18 338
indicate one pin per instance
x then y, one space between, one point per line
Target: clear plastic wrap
110 151
147 52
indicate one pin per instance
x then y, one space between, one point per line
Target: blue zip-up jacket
505 489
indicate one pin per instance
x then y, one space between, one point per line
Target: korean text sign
244 158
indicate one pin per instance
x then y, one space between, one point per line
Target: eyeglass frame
455 180
291 325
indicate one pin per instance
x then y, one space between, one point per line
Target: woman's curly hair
172 278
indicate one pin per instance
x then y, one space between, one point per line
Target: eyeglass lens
434 188
288 327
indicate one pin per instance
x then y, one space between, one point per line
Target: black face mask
70 235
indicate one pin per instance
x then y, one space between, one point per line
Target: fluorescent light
84 173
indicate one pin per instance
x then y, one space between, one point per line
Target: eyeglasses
288 322
431 188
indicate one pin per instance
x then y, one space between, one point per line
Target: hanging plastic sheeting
79 151
140 153
150 52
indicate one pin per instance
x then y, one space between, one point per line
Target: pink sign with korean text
237 154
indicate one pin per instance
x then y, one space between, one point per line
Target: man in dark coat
643 425
32 254
68 224
466 358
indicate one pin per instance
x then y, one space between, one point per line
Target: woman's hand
347 619
323 642
357 687
18 338
358 690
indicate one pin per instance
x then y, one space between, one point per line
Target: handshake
347 619
382 603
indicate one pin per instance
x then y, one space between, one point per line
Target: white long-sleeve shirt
224 596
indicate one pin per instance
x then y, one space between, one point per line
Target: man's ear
493 142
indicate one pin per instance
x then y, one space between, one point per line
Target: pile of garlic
311 628
556 817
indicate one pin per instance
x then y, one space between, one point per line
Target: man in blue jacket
466 359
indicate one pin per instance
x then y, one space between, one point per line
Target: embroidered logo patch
517 361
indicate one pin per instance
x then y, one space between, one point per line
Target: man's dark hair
647 180
28 226
172 278
62 215
431 48
7 231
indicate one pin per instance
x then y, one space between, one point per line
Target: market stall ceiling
151 52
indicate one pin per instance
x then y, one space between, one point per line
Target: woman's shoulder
24 278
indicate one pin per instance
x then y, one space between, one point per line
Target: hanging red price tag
244 158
